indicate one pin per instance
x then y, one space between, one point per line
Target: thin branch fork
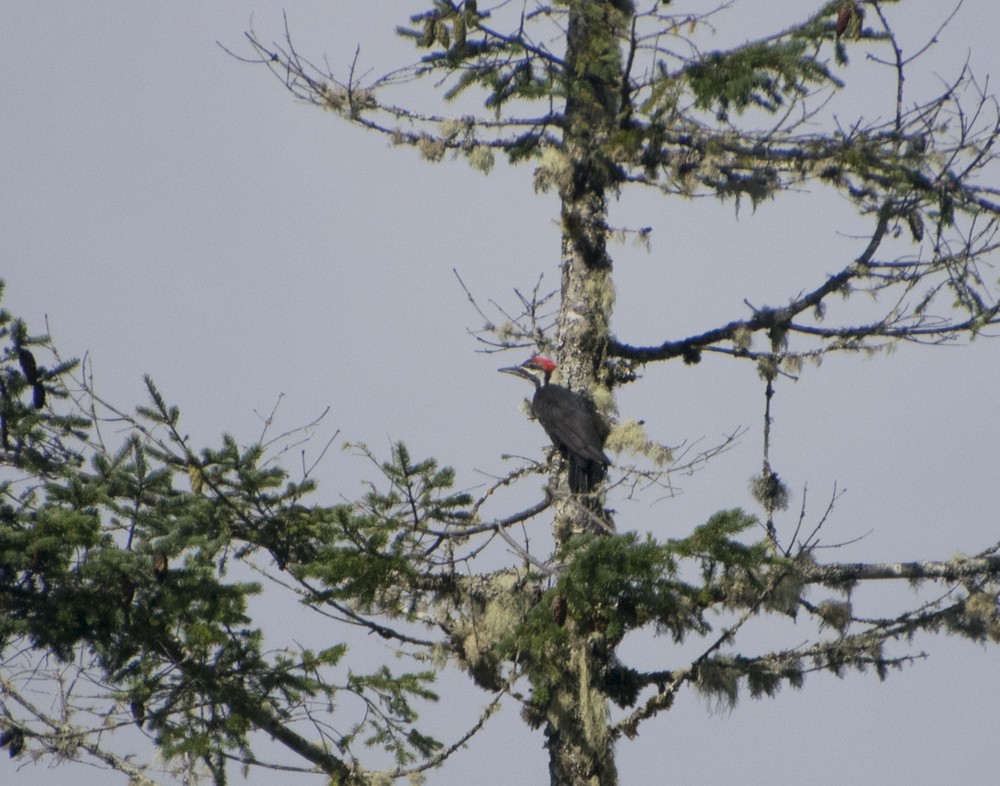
62 738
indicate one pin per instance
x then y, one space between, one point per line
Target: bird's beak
517 371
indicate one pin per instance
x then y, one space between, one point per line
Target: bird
570 420
30 370
28 365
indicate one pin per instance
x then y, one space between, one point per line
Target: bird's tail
584 474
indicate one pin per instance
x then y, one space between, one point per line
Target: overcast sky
172 211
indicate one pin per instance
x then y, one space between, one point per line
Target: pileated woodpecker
571 422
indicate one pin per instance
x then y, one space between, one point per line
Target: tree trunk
581 751
593 77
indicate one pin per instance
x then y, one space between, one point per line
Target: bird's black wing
571 422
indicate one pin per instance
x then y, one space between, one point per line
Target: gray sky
175 212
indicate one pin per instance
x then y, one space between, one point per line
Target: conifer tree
116 557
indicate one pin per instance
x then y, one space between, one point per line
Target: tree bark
581 752
592 84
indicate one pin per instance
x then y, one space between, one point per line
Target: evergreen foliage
758 75
122 558
139 564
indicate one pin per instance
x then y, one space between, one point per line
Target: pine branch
959 569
